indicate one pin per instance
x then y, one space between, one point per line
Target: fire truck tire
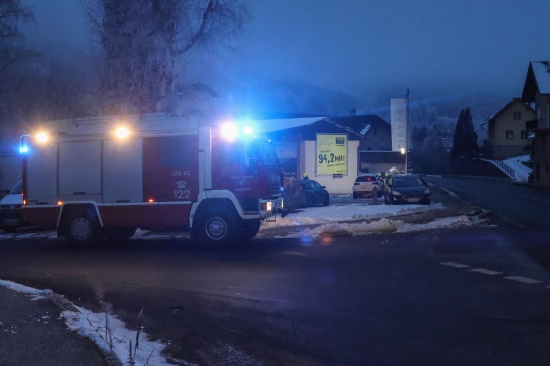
250 229
216 228
82 229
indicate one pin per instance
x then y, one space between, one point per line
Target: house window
517 116
524 134
509 134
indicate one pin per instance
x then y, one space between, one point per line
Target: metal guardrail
506 169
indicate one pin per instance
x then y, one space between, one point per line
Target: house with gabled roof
375 149
375 131
536 90
507 132
297 146
295 141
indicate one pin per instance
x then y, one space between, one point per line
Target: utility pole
407 125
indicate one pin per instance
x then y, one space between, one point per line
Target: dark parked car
314 193
407 188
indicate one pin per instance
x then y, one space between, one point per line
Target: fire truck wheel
81 229
216 228
250 229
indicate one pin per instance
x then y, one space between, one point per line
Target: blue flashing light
23 145
229 131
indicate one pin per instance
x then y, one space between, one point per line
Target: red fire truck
102 178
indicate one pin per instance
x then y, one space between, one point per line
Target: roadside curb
65 305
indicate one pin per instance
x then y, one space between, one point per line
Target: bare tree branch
140 43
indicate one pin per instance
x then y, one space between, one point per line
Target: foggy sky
357 45
437 48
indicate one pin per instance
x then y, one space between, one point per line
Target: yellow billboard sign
332 154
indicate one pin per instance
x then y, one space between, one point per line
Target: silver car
367 185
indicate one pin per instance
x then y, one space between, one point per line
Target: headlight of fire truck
266 206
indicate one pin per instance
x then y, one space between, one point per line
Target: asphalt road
520 211
521 206
452 297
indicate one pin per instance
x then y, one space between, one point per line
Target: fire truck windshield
265 151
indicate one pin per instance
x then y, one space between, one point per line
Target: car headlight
395 193
427 191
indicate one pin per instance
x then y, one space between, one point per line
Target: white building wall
334 185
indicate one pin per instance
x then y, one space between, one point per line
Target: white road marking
455 265
451 193
523 279
486 271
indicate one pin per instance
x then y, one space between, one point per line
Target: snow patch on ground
35 294
100 328
521 170
355 211
109 332
334 221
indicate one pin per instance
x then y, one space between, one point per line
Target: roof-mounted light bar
232 131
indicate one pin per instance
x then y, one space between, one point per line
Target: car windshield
315 184
407 182
266 152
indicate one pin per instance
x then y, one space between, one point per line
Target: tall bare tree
11 39
143 39
12 53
